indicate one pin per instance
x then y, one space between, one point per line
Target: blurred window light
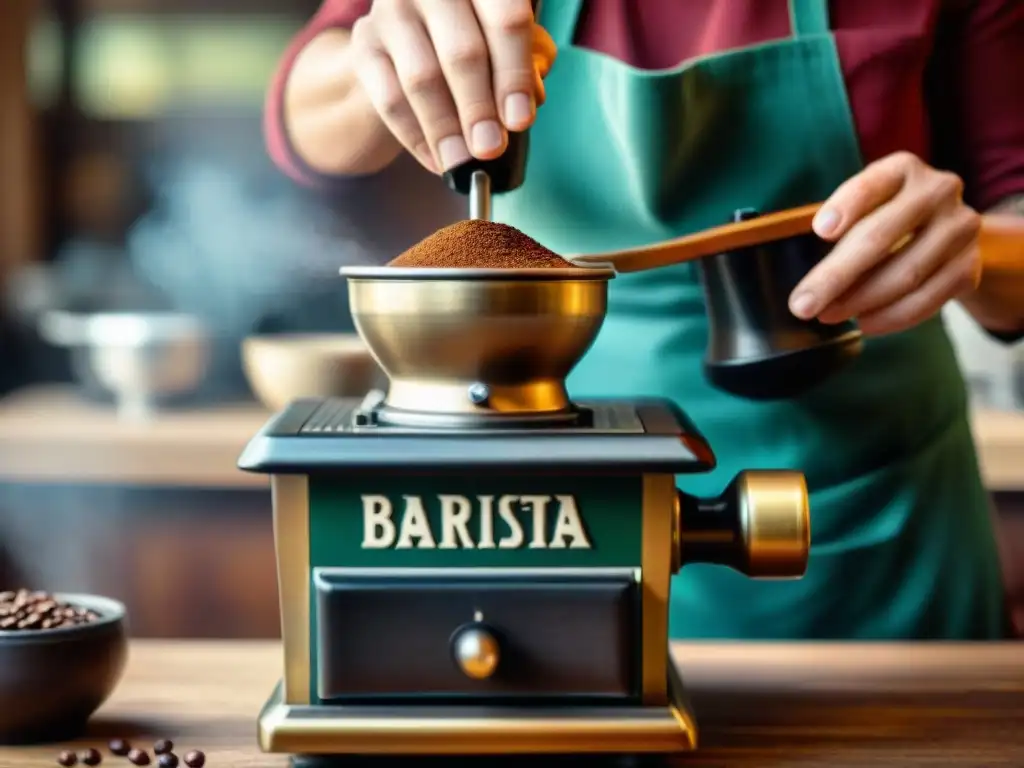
137 67
45 59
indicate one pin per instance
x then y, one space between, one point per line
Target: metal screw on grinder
479 393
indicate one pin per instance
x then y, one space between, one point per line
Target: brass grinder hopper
464 347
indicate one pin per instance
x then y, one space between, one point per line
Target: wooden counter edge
843 704
833 662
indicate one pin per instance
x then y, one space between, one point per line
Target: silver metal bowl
141 358
472 341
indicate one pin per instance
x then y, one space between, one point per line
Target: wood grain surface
770 706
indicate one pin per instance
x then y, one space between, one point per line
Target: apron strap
559 18
809 17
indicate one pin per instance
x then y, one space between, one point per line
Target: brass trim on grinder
446 273
476 730
290 495
659 501
775 517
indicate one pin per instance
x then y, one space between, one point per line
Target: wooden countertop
52 435
770 706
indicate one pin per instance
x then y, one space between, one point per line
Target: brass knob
775 515
761 526
476 651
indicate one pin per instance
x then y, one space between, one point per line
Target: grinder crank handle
1001 242
760 526
504 173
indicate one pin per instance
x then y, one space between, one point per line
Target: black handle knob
506 172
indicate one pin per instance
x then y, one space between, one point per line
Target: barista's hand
450 78
905 245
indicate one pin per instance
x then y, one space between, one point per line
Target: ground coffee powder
480 244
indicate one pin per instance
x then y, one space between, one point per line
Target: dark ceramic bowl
53 680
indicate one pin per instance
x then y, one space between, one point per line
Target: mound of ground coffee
480 244
25 610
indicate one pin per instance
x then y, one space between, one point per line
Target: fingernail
803 305
518 111
825 222
487 137
452 151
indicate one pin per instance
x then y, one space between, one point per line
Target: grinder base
313 731
481 761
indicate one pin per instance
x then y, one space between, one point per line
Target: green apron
903 545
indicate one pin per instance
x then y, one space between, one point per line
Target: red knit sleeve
990 94
333 14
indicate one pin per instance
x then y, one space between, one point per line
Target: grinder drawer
480 633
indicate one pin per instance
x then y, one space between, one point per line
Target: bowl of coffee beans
61 655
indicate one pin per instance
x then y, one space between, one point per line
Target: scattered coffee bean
163 746
24 610
195 759
90 757
168 760
138 757
64 758
119 747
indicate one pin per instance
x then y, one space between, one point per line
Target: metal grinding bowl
460 346
140 357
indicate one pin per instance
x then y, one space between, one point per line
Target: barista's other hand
450 78
905 245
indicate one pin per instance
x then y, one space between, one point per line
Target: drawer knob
476 651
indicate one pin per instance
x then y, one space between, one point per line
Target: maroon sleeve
333 14
990 67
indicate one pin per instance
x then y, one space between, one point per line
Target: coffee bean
119 747
195 759
138 757
67 758
168 760
163 747
90 757
32 611
44 607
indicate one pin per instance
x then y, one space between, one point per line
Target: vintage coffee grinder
473 564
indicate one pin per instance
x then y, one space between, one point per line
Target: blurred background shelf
51 434
1000 439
